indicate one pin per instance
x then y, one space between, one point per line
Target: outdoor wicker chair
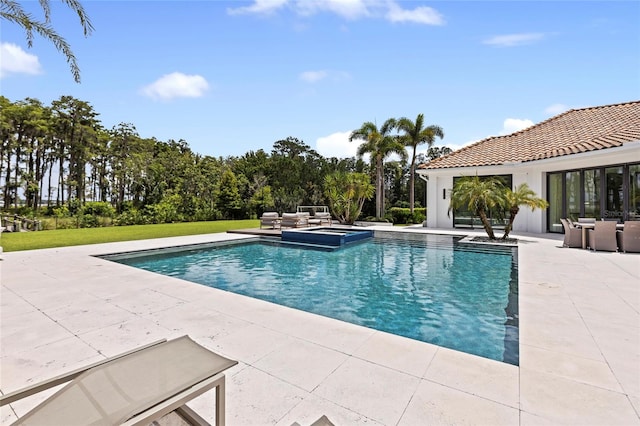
629 237
572 235
603 236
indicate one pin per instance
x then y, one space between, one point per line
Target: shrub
61 211
98 208
131 217
166 211
88 221
403 215
387 218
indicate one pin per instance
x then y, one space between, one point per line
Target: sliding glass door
615 193
592 189
556 194
633 211
609 193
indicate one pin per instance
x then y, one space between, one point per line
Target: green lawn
73 237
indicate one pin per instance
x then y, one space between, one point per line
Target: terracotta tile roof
572 132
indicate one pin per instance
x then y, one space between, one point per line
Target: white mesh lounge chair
629 238
135 388
572 235
603 236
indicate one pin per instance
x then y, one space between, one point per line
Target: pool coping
579 341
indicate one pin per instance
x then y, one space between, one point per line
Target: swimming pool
432 288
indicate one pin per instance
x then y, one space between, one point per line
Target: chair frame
572 235
175 403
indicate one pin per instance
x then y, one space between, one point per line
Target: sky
230 77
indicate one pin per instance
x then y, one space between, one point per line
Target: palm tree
416 134
379 143
478 196
13 12
347 193
522 196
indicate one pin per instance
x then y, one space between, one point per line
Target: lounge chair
603 236
294 220
572 235
270 219
135 388
629 237
322 218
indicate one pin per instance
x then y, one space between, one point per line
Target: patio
579 342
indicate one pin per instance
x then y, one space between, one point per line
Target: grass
72 237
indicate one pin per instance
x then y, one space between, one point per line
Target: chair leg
220 402
191 416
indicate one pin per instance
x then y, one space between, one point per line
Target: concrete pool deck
579 342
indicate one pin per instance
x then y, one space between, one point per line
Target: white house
584 162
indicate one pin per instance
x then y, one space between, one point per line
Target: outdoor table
585 226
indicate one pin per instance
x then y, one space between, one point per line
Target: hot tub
326 236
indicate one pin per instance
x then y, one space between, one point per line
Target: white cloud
511 40
348 9
318 75
556 109
259 7
419 15
313 76
337 145
511 125
176 85
14 60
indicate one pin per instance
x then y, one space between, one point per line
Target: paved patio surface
579 342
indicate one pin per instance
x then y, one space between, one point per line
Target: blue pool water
425 287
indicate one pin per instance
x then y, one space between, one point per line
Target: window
592 193
555 202
614 208
463 218
573 195
633 211
609 193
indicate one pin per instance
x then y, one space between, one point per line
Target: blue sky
233 76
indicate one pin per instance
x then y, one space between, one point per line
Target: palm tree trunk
485 223
412 181
512 216
379 188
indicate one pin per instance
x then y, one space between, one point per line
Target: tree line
60 159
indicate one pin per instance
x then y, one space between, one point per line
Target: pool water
425 287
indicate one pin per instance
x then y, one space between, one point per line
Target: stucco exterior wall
532 173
